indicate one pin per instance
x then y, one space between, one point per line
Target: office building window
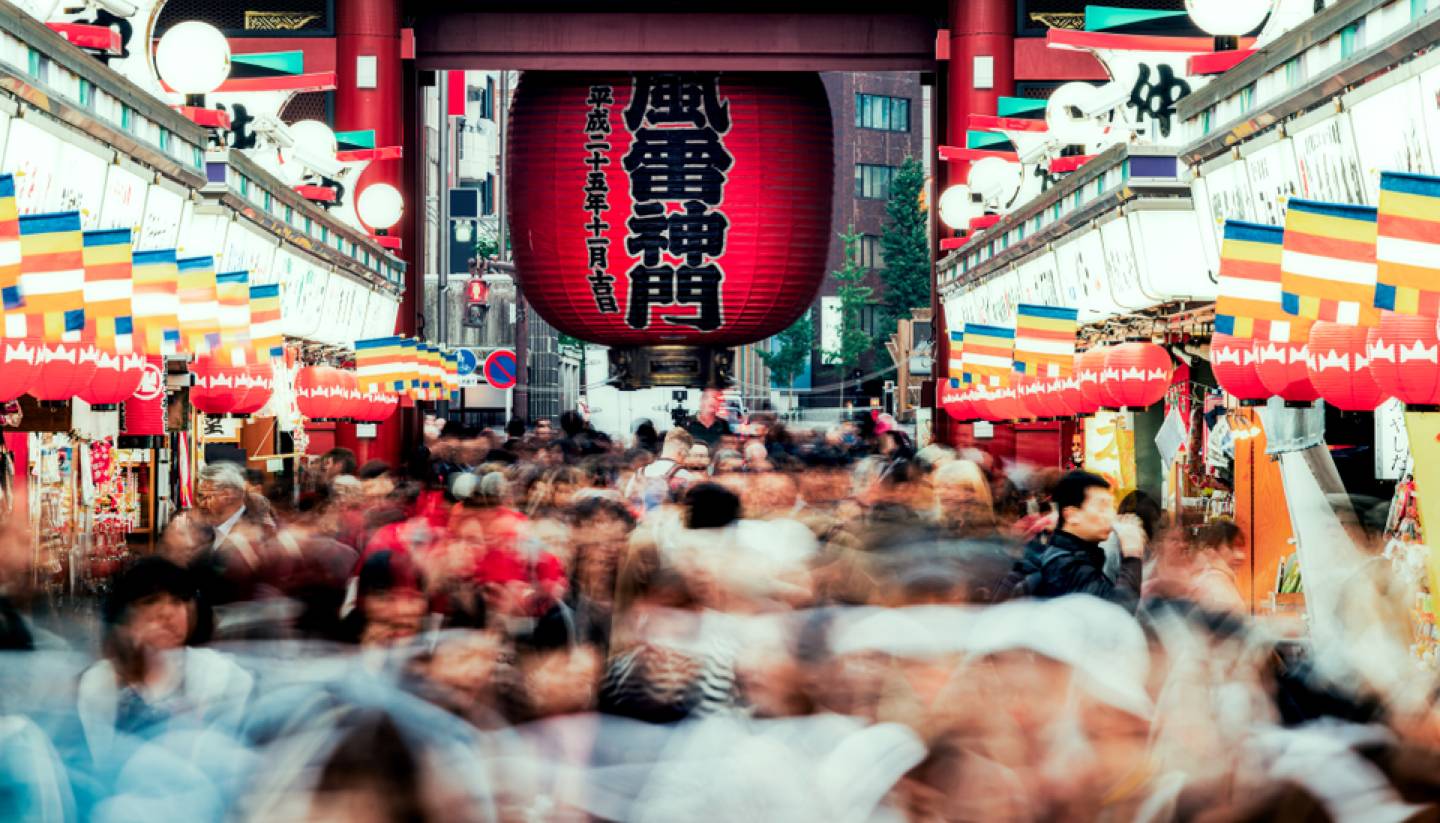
869 251
487 195
872 182
877 111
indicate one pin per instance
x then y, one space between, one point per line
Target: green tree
854 297
790 351
905 243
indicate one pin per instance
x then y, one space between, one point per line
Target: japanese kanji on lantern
670 216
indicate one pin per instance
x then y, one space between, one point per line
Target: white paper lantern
996 181
957 207
193 57
1228 18
1067 118
381 206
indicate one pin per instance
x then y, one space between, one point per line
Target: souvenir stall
1316 199
146 275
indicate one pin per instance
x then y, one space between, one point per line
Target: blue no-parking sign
500 369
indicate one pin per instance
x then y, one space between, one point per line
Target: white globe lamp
380 206
994 180
957 207
193 58
1067 117
313 150
1228 19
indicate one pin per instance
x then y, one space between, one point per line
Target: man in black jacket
1073 562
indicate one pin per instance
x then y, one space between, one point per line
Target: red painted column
371 29
978 29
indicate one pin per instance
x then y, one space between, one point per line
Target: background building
880 121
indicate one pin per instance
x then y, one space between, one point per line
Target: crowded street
931 411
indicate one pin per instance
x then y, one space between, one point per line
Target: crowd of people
704 624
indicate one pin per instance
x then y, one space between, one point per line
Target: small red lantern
1031 392
349 403
1283 369
116 378
1339 367
258 381
65 371
1006 405
389 402
1088 368
1137 374
18 368
1233 361
955 401
1403 358
314 391
217 389
1072 392
1057 397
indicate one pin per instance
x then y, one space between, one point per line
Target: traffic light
477 292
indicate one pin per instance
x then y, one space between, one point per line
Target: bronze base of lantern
699 367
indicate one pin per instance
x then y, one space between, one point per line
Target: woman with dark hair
1217 554
151 675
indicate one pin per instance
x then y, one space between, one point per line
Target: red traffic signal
476 292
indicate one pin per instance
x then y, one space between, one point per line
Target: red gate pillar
980 70
367 33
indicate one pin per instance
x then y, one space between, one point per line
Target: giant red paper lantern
64 371
218 389
1403 358
1088 368
115 380
1339 367
18 367
1283 370
1232 360
701 218
1137 374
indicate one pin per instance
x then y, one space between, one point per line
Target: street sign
500 369
467 361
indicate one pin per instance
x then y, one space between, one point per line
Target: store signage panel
78 184
248 249
1122 269
302 294
1040 282
1329 168
122 205
1390 134
1222 193
1081 262
33 156
160 228
381 312
1274 179
202 233
1430 111
1168 254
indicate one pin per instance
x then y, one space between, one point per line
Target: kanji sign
698 204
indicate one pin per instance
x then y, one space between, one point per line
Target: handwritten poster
1121 266
123 204
1329 168
160 228
1389 130
32 155
78 184
1274 179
